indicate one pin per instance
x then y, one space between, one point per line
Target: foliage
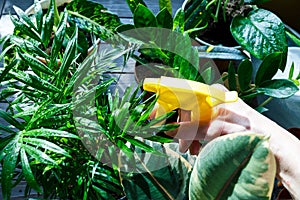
263 84
238 165
41 140
96 17
258 31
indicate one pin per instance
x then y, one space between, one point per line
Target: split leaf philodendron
235 166
197 97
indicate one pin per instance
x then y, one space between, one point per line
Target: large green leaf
235 166
261 32
278 88
164 19
143 17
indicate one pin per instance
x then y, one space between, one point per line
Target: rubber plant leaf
235 166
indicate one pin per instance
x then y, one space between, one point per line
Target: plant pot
285 112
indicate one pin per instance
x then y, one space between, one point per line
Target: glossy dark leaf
164 19
268 68
278 88
261 32
197 14
143 17
232 77
245 74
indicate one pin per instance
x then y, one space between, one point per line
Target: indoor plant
40 143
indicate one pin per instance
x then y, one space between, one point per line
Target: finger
195 147
184 145
184 115
226 115
189 131
218 128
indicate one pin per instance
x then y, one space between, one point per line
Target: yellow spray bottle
199 98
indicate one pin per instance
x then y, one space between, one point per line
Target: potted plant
41 143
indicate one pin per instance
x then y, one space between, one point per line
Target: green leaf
23 28
50 133
59 38
28 46
261 32
294 38
47 29
8 118
7 69
35 64
164 19
168 180
278 88
291 72
166 4
245 74
133 4
27 172
42 143
197 14
178 22
24 18
143 17
33 81
237 166
38 155
268 68
68 58
231 77
9 164
139 144
38 13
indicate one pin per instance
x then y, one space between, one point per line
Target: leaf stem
266 102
